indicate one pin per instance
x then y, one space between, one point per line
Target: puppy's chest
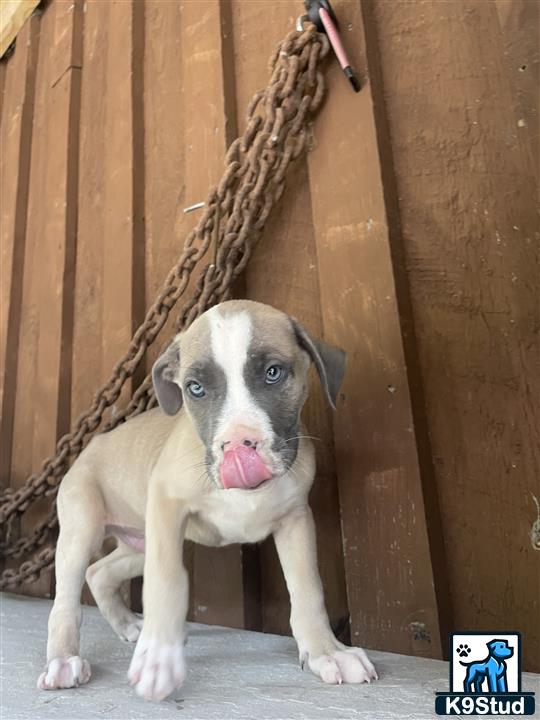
236 516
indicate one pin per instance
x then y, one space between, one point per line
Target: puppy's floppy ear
330 361
168 393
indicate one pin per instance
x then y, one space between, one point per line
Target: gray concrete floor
232 674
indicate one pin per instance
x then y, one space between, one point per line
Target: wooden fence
408 237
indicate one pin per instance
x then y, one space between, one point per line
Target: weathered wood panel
105 255
520 26
283 273
42 407
109 293
184 157
15 142
390 573
217 579
163 147
380 244
470 232
165 181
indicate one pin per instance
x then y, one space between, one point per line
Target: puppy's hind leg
81 516
105 578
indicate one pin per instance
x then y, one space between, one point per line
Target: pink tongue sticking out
243 468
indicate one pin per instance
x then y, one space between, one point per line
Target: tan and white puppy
223 460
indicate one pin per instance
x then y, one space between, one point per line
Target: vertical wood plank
218 594
88 369
109 293
44 361
138 176
3 67
184 82
104 314
283 272
166 176
165 182
164 186
164 119
520 23
15 145
380 440
467 198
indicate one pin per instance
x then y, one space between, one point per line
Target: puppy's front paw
66 672
342 665
157 668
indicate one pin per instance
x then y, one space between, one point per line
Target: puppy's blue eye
274 374
196 390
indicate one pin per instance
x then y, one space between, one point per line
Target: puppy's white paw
157 669
345 665
131 631
64 673
128 628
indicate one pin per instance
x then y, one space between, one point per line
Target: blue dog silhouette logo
485 676
489 674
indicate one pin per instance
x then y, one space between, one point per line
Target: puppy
223 460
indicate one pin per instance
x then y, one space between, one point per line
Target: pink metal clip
320 13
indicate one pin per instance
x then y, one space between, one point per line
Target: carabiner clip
320 13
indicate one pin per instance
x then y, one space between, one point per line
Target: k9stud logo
485 676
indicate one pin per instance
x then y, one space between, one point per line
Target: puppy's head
241 371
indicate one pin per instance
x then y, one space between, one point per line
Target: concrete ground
232 674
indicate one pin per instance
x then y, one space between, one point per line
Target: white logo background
479 651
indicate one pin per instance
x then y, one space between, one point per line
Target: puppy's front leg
332 661
158 667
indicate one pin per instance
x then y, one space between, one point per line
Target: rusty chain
234 214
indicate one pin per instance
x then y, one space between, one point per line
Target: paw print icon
463 650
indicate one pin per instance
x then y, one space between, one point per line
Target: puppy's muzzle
242 465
